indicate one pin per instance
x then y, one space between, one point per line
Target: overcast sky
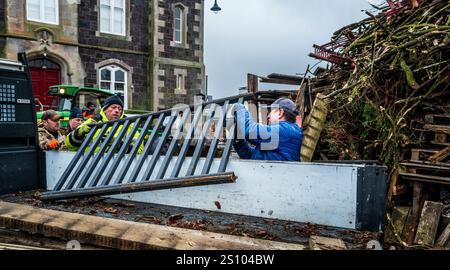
268 36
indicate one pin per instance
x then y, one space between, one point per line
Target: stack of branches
400 73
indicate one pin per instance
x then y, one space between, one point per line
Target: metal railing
135 154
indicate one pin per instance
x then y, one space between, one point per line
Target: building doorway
44 73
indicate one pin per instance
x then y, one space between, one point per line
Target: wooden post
411 223
311 134
252 83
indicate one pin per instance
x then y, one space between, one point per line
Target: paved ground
268 229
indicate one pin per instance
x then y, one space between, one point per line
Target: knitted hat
76 113
112 101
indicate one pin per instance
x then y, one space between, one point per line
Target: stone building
150 52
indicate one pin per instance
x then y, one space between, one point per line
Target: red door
44 73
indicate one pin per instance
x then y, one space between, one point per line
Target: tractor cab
68 97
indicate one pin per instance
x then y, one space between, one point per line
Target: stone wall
135 65
173 59
169 95
137 26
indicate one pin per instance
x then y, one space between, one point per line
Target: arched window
179 24
43 63
114 78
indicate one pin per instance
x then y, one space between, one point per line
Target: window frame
42 13
113 68
182 21
180 85
111 18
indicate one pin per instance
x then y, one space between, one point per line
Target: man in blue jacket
280 140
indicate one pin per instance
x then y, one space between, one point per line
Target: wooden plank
428 225
315 127
426 178
398 220
438 128
441 155
252 83
120 234
392 184
421 154
7 246
445 219
437 119
411 223
444 238
325 243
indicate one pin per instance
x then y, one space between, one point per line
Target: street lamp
216 7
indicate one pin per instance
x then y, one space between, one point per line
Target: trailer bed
200 220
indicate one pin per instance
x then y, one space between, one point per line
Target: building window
45 11
114 78
180 82
179 23
112 17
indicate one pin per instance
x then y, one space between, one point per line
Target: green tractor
68 97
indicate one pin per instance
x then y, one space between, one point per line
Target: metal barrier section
134 154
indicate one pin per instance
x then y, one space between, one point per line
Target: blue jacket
281 141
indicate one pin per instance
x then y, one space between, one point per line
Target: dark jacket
281 141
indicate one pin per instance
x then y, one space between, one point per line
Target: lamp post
216 7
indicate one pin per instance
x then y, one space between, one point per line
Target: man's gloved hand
85 128
53 144
238 107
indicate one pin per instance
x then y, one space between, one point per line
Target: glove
86 127
53 144
238 107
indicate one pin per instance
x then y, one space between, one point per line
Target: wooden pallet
437 119
434 155
441 134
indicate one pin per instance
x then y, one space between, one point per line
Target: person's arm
43 140
75 138
243 149
254 132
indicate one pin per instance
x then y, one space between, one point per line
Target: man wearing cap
112 110
280 140
50 137
75 119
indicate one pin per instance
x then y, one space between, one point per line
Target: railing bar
135 150
201 142
125 146
187 142
156 154
148 146
110 155
173 144
227 151
75 159
213 147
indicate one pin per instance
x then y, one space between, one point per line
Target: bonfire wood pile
389 97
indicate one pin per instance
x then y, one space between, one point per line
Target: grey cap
285 104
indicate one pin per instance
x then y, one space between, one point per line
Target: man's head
50 120
282 110
113 108
76 118
90 105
